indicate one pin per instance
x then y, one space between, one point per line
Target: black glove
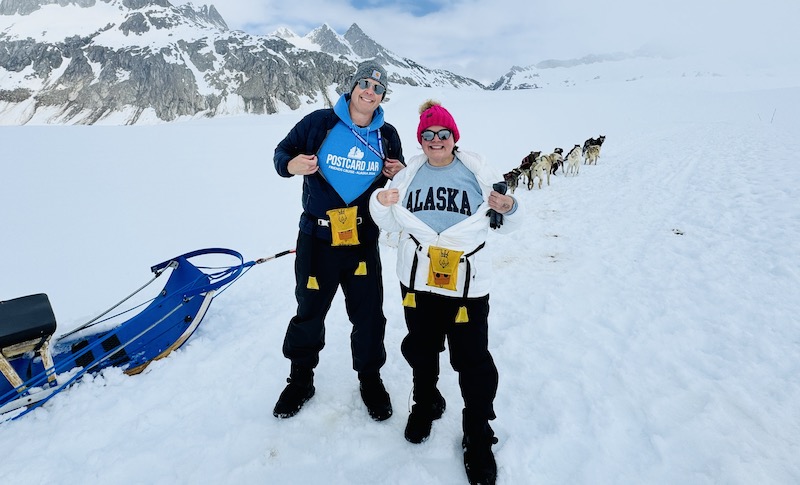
495 218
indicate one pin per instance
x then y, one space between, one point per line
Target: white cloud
484 39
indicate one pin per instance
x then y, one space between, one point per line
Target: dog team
537 166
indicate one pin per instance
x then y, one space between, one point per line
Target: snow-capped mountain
136 61
358 45
129 61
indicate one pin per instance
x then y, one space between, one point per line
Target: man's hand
303 165
391 166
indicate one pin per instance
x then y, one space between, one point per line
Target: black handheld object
495 218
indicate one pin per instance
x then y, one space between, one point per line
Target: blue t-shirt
345 158
443 196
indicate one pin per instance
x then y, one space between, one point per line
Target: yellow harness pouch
443 267
344 226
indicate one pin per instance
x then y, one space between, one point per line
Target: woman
343 153
443 204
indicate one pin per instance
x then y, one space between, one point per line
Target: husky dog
529 159
592 154
573 161
512 179
540 169
593 141
556 161
526 166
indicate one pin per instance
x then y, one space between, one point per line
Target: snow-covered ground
644 322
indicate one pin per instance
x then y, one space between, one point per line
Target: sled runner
35 366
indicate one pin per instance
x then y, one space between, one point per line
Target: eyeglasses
443 135
378 88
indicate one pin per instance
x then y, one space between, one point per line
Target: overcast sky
483 39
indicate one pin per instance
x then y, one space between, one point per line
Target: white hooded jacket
465 236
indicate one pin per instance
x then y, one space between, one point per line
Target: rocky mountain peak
362 44
285 33
132 61
204 14
329 41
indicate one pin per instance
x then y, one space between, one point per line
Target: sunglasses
378 88
443 135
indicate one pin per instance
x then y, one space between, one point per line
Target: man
344 154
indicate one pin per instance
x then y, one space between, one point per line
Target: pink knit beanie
433 114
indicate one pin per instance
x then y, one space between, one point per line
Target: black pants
334 267
428 324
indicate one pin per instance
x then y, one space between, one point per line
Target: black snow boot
479 460
375 397
300 388
423 413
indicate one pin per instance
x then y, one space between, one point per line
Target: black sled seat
26 325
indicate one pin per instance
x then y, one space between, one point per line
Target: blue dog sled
35 367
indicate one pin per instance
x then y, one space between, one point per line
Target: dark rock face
86 77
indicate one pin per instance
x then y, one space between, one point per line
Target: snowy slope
644 321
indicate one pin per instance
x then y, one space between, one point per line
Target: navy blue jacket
318 196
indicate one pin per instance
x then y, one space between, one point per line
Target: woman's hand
388 197
501 203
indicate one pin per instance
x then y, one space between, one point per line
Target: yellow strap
462 317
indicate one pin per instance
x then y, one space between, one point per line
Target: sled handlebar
218 279
161 266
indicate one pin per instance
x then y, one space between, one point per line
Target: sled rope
244 268
275 256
